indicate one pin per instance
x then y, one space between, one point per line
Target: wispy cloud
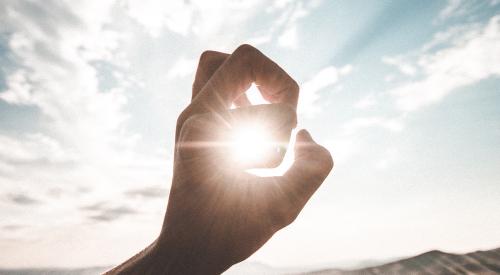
404 67
106 213
22 199
13 227
32 148
197 17
153 191
182 67
289 21
310 90
453 8
357 124
463 9
471 57
55 73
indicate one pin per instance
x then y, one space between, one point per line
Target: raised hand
218 214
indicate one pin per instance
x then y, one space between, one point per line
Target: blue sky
403 93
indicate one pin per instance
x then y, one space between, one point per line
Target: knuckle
205 56
284 214
326 162
320 161
191 124
286 218
294 85
182 117
209 58
245 50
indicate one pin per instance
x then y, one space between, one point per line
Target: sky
403 93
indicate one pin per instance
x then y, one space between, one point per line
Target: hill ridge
431 262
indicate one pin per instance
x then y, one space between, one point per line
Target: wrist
184 257
145 262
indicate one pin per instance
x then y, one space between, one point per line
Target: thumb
311 155
310 168
303 144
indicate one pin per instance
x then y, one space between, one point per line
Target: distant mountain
255 268
432 262
429 263
55 271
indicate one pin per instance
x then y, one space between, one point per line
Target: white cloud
32 148
259 40
20 90
451 36
309 93
343 149
182 68
357 124
289 38
463 9
155 15
452 8
468 60
292 13
55 74
403 66
203 18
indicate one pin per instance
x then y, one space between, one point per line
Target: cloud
182 67
106 213
343 149
309 94
207 19
469 59
452 8
463 9
291 13
55 73
154 15
149 192
289 38
33 148
404 67
202 18
354 125
22 199
13 227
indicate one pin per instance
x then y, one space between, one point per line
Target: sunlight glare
250 144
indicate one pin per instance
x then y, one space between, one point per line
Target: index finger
245 66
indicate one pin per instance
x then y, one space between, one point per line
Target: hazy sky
405 94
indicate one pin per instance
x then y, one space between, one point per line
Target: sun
250 144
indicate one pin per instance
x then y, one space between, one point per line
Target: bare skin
217 214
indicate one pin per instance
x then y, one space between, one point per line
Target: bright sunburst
250 143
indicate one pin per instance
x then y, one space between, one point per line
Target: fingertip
304 136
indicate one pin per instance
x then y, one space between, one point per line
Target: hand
218 214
